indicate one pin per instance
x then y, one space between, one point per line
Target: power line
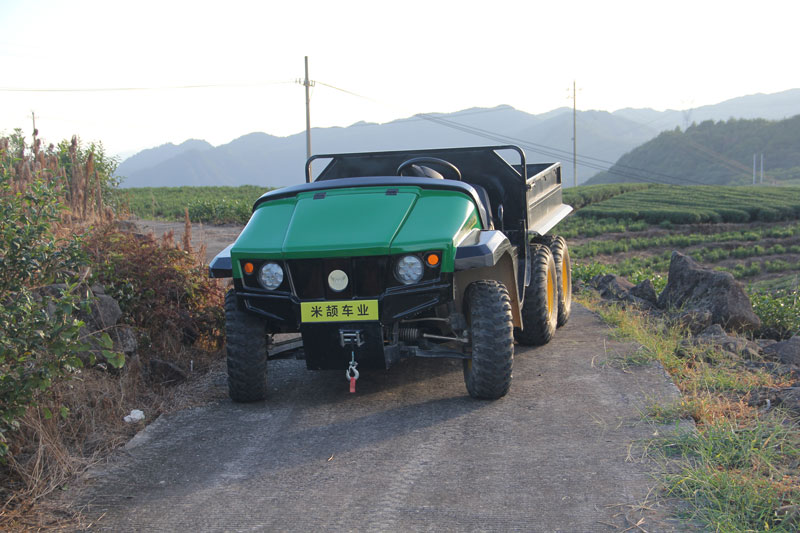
624 171
126 89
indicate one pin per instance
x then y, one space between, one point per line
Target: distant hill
262 159
154 156
714 153
776 106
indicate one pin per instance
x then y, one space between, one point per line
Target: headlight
408 269
270 276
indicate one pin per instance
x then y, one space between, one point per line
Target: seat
484 198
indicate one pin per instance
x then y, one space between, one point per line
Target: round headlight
408 269
270 275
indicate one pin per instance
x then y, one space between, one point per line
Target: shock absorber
410 334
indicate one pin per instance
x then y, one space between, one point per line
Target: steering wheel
409 164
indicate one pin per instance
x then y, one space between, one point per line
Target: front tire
488 374
540 308
246 344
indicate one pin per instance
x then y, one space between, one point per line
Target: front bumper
282 309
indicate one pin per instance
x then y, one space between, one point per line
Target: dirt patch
215 238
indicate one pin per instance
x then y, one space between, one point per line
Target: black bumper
282 310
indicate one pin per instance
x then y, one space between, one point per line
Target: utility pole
762 168
754 169
574 135
307 84
35 132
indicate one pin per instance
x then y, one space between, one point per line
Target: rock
165 372
787 352
715 335
98 289
105 311
789 398
763 343
691 287
612 286
645 291
124 339
577 285
714 330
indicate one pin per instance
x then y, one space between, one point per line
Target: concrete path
410 451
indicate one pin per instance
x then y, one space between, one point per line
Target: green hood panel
346 222
357 222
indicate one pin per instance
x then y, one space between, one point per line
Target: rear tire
246 343
558 246
540 308
488 309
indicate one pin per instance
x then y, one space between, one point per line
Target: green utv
387 255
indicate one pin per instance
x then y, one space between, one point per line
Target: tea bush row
593 248
591 227
714 255
584 195
205 204
696 204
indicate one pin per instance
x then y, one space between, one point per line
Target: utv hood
358 221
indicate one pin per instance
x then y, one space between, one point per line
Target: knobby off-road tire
558 247
488 374
246 342
540 309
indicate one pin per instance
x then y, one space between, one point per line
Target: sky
219 70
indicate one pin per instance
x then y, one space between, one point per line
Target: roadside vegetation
210 205
65 386
740 469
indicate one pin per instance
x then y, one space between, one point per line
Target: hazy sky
405 56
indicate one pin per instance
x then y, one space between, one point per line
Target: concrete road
410 451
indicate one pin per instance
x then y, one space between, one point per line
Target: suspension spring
410 334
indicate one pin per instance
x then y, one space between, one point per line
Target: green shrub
778 310
40 333
163 291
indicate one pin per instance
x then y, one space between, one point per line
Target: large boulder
691 287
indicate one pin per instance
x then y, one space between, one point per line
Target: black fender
221 266
487 254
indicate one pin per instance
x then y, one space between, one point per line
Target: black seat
484 197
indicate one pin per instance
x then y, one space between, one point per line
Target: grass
736 478
738 470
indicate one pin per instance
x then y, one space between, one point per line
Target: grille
368 277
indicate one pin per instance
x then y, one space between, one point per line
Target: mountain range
602 138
